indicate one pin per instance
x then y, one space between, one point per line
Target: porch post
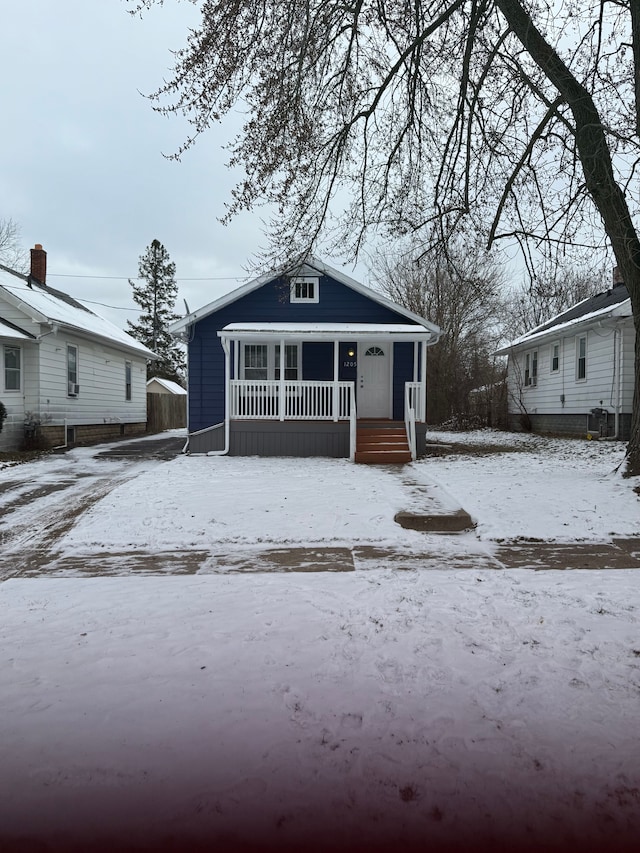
336 373
416 351
423 395
281 390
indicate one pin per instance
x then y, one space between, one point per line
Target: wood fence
166 411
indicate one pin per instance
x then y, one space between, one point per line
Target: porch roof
9 331
328 331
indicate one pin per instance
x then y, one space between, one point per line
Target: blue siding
402 372
338 304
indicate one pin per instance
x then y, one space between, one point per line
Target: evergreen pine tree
155 292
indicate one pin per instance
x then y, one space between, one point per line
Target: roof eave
621 311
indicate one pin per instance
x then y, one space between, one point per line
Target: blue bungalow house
306 363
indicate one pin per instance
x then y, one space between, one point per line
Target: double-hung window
555 357
12 368
72 371
290 362
581 358
262 362
256 361
531 368
127 380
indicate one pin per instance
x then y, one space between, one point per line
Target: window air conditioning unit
73 389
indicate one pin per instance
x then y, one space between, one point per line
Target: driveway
40 501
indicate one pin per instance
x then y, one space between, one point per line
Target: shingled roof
591 305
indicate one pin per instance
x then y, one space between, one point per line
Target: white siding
598 389
44 392
101 377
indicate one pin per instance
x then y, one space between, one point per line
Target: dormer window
305 288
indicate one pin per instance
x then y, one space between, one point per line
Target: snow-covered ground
368 710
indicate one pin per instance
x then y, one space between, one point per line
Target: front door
374 386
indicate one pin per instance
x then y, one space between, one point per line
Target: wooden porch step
382 444
382 457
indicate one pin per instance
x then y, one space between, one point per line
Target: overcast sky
81 152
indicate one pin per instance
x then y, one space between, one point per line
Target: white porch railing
410 416
414 398
270 399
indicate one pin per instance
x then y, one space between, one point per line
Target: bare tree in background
554 289
521 117
12 254
461 290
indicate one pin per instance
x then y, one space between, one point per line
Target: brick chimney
617 277
39 264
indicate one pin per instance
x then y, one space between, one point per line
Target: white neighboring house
158 385
574 375
66 374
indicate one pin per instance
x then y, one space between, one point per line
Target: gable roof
611 303
52 307
313 266
172 387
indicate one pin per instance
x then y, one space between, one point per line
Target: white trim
304 279
326 331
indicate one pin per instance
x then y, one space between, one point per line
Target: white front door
374 386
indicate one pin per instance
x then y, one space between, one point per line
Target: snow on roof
311 267
172 387
576 316
327 330
46 305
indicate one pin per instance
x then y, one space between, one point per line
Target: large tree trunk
597 167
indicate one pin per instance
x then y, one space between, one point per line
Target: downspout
227 390
423 396
63 446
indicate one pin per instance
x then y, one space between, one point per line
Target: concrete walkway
465 554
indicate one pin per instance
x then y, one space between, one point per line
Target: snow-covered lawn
366 710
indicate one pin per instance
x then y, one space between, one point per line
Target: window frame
301 282
581 360
272 361
72 372
531 368
128 381
15 370
555 346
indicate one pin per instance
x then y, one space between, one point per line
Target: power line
137 277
